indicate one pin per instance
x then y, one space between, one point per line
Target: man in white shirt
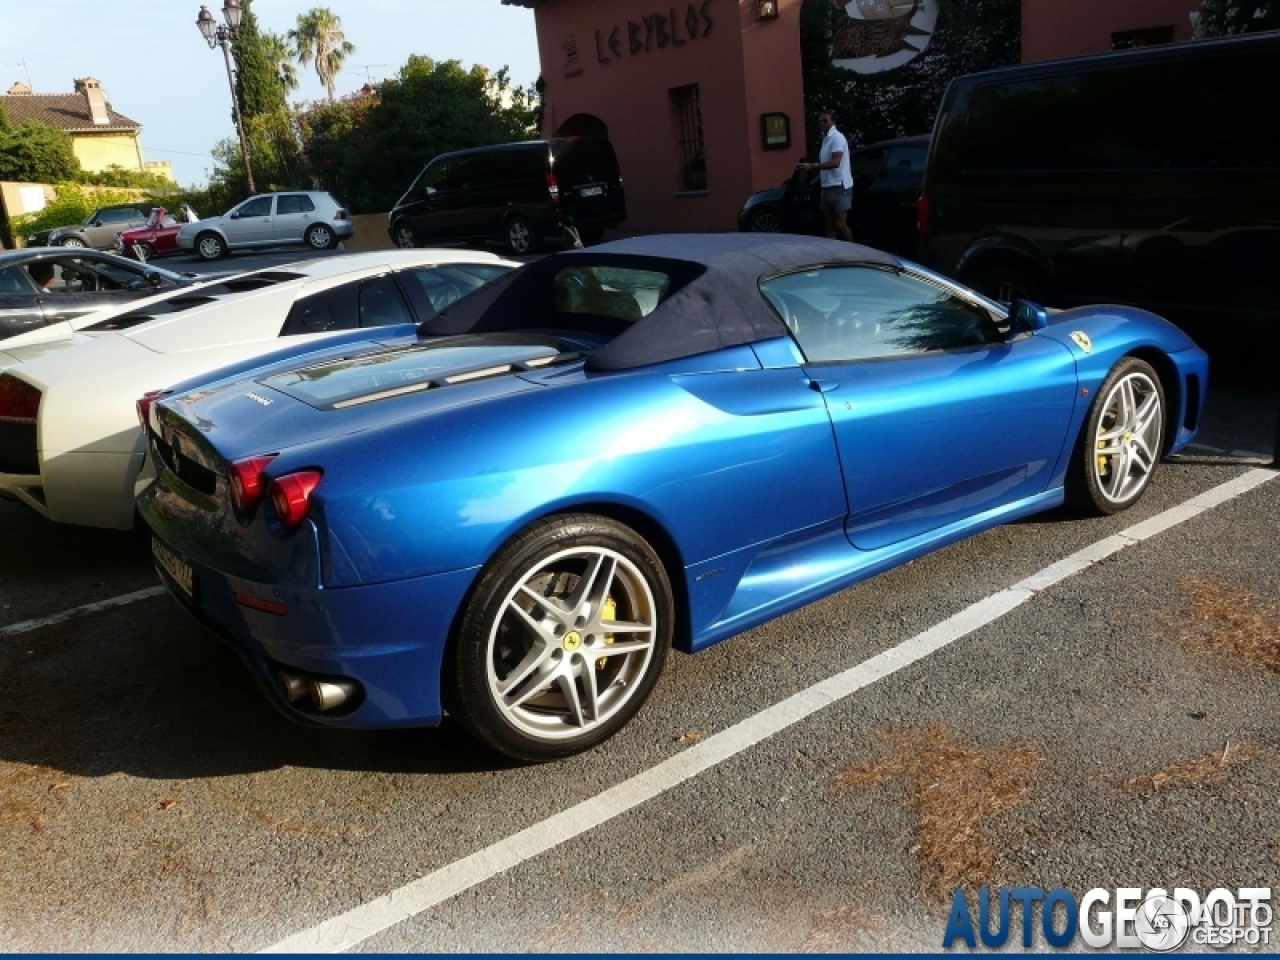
837 180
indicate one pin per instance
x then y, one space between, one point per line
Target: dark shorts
836 198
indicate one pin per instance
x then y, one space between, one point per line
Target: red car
156 238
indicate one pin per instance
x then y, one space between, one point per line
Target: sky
157 70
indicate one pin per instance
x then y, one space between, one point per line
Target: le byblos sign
656 31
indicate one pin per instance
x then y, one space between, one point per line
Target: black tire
402 236
72 242
1130 429
210 246
1008 281
764 220
561 649
518 236
320 236
143 251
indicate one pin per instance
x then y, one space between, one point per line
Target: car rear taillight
19 400
341 214
145 403
291 496
245 477
922 216
553 188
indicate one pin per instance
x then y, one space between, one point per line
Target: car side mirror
235 216
155 280
97 223
1027 317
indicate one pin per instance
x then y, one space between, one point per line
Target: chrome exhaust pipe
292 686
330 694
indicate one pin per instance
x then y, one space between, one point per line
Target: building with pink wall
1052 29
682 89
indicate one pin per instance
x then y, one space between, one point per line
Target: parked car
78 283
1139 177
156 238
308 217
98 230
887 177
515 512
514 194
70 447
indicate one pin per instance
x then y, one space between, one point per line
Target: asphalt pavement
1116 728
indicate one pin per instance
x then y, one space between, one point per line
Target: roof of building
66 111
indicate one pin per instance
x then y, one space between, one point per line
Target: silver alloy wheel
1126 448
320 237
766 221
73 242
573 641
210 247
518 236
404 237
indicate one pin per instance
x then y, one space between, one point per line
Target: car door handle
823 386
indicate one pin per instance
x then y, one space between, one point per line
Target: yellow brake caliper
610 613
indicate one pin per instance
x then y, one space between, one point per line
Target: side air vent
254 281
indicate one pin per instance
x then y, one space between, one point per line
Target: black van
1149 177
517 194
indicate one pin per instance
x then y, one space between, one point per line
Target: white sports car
70 444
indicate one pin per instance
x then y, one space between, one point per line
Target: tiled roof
66 111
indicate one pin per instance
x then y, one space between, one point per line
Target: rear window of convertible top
620 293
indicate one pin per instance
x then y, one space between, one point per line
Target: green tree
367 149
35 153
319 38
258 86
1220 18
280 57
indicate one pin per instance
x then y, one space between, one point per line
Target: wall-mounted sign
657 31
871 36
775 131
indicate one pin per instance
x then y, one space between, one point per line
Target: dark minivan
516 194
1149 177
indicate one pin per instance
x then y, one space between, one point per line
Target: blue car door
937 415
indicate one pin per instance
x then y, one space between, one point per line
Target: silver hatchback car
270 220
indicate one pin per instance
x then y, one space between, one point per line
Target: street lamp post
217 35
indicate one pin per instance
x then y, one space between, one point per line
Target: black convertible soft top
714 300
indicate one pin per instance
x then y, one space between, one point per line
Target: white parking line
359 924
28 625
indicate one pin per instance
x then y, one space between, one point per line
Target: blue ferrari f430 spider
513 512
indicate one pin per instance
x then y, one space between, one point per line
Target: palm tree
319 37
280 57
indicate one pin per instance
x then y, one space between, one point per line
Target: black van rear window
1189 113
586 155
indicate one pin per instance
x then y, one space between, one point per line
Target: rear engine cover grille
196 476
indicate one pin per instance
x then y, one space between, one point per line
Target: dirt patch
27 794
955 789
837 930
1206 769
1232 624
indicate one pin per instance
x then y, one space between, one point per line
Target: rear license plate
591 192
179 572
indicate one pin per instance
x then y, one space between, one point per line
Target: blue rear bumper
389 638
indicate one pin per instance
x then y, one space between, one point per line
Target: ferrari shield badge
1082 341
